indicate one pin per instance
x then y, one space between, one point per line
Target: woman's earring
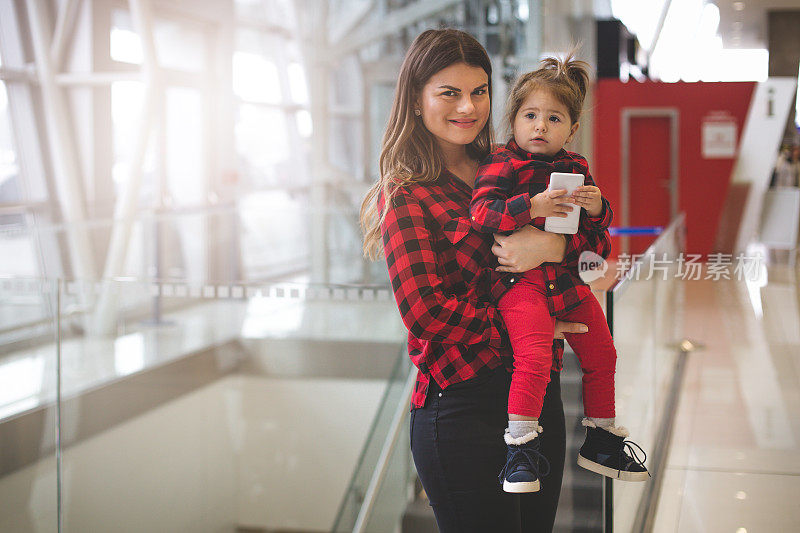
417 112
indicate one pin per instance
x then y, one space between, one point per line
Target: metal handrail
395 428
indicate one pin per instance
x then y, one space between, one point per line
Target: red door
649 177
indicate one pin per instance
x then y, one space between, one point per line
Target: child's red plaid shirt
443 278
501 202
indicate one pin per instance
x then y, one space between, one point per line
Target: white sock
520 428
603 422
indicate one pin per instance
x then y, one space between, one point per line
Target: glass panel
17 247
10 182
125 43
297 83
257 68
127 98
185 157
267 252
255 78
343 14
305 126
346 84
28 488
179 45
647 333
393 493
278 13
347 146
263 147
200 409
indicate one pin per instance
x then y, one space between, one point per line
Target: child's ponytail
578 72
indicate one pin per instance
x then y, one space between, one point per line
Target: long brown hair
409 152
567 79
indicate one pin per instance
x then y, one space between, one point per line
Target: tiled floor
734 463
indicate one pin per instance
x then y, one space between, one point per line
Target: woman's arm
527 248
427 311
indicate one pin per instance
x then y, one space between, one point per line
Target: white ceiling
747 27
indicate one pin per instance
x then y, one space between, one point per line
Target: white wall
758 149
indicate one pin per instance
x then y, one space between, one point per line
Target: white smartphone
568 225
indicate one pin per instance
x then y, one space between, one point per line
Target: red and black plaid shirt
501 201
443 278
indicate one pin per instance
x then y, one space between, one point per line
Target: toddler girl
510 192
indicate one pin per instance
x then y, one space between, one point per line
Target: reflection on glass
129 353
17 248
255 78
266 319
22 381
125 45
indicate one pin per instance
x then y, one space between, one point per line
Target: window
179 46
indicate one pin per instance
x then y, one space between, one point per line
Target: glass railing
180 406
189 405
29 476
268 235
382 483
644 309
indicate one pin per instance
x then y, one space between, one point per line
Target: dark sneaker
521 472
608 453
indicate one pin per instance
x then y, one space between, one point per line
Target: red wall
703 184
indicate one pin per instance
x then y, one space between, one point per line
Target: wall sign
719 135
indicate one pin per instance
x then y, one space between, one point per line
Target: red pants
530 329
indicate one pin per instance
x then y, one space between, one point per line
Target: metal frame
626 114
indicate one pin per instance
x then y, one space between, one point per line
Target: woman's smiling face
455 104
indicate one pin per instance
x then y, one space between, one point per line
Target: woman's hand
551 204
527 248
568 327
589 198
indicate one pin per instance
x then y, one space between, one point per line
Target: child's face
542 125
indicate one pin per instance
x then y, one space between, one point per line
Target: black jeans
458 448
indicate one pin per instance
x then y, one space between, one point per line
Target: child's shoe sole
622 475
521 486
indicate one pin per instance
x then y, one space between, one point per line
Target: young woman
445 277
